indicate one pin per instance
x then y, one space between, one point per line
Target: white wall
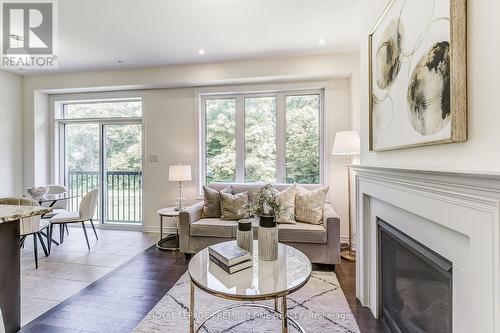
481 152
10 134
171 134
170 114
338 102
42 136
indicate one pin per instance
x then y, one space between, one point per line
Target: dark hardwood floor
346 273
121 299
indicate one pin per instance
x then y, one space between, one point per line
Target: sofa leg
332 267
187 256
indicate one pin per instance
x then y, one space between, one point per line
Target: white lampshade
346 143
179 173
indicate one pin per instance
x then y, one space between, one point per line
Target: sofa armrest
331 222
188 216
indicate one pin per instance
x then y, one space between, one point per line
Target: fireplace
456 215
415 282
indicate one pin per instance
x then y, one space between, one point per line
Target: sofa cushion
288 233
286 199
296 233
211 207
309 205
231 205
213 227
302 233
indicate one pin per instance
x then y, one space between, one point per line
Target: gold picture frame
458 128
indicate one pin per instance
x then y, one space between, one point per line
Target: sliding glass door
82 156
101 147
123 173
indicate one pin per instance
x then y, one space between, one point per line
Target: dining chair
60 206
30 226
86 211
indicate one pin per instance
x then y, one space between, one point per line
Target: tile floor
71 267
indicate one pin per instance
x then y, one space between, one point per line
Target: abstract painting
418 74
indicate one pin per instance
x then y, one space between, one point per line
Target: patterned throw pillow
309 205
211 208
231 204
286 199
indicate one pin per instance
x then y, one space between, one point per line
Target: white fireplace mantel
456 214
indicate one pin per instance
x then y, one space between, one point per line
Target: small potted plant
266 207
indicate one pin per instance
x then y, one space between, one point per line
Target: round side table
171 241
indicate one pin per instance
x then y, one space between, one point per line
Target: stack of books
230 257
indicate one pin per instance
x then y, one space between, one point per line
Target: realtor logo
28 34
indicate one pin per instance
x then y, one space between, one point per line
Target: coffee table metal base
282 313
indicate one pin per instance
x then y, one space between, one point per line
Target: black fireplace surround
416 284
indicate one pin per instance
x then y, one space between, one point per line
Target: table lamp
179 173
347 143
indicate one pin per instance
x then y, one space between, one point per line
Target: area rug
320 306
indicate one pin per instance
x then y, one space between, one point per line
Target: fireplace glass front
416 284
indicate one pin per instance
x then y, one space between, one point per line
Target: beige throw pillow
309 205
286 199
211 208
231 204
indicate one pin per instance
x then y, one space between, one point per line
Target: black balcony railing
79 183
123 195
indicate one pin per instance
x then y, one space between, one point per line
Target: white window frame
239 94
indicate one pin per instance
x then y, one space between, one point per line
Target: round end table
171 241
265 280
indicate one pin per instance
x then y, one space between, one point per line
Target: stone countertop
10 213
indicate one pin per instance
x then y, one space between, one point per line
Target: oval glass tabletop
265 280
56 197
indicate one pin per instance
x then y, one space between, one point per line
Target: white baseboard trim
345 240
123 227
156 230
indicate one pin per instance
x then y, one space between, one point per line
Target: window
302 139
260 139
252 138
102 109
221 140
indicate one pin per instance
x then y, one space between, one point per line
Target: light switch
153 158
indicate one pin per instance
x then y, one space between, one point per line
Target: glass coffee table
266 280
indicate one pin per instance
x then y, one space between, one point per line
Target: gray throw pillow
211 208
231 204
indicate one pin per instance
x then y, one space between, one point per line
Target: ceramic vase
244 235
268 238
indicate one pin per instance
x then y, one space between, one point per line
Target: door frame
58 153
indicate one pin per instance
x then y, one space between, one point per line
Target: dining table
50 200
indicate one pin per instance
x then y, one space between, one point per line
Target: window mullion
63 172
240 139
102 167
280 139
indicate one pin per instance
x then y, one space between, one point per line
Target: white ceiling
94 34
